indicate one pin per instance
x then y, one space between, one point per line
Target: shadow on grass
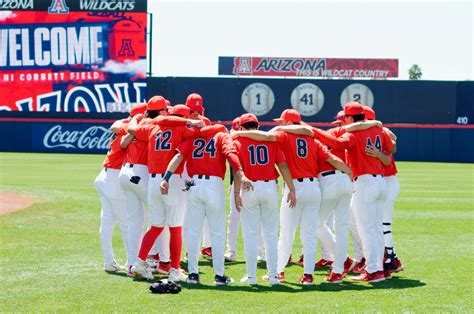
288 287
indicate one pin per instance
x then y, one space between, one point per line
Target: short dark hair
358 117
153 113
250 125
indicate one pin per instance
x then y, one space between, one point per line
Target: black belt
328 173
202 176
302 179
155 174
276 181
373 175
129 165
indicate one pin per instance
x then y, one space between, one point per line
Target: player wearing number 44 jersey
206 164
302 154
369 191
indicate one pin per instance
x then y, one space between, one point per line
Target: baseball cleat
163 268
177 275
334 278
367 277
193 279
398 266
306 279
129 272
300 262
113 267
359 267
250 280
152 260
206 252
349 265
230 256
273 281
280 277
222 280
322 263
139 270
387 274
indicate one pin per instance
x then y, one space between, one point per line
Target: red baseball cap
289 115
137 109
247 117
353 108
235 124
369 113
180 110
339 117
194 102
156 103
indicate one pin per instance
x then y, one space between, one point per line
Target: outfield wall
423 114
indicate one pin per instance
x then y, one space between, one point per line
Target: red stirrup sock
148 240
176 244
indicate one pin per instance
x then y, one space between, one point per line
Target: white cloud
6 15
131 67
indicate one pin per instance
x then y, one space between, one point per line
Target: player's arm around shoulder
296 129
362 125
256 135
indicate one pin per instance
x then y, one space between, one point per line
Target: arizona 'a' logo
58 7
126 48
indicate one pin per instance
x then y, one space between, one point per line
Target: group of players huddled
166 168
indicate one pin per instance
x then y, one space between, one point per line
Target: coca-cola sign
93 138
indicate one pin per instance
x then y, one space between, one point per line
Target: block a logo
126 48
58 7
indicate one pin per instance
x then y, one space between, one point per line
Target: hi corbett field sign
308 67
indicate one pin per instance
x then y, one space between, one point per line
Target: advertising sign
72 56
309 67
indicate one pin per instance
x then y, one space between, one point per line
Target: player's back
358 160
258 158
301 154
207 155
137 152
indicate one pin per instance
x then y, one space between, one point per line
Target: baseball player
206 164
364 155
336 191
111 197
195 103
302 154
391 262
164 210
259 206
234 220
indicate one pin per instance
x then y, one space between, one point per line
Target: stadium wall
427 116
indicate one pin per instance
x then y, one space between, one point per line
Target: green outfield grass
51 259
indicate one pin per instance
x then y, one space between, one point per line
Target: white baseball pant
305 214
166 210
113 209
233 228
393 189
369 194
260 210
206 199
336 192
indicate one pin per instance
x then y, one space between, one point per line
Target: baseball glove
165 287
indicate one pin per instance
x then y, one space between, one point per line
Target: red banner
309 67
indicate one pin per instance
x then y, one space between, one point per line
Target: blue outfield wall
423 114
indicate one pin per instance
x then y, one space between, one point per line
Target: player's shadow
289 287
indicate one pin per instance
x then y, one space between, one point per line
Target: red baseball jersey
207 122
341 153
357 158
258 159
162 143
390 170
116 153
137 151
302 154
207 155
